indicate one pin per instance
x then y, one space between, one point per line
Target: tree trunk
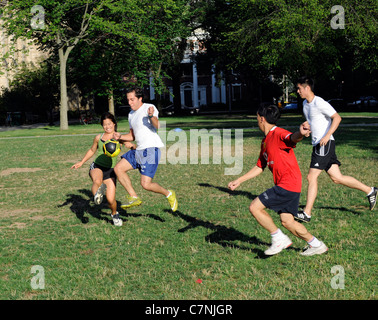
111 102
63 91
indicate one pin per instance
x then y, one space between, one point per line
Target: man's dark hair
138 91
304 80
271 113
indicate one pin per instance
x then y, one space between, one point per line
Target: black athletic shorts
323 157
107 172
280 200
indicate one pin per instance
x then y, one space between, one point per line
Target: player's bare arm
336 119
154 120
89 154
304 131
254 172
124 137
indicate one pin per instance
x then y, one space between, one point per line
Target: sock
277 233
306 215
170 193
314 242
371 191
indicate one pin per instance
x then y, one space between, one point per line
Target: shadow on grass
230 192
343 209
223 235
81 204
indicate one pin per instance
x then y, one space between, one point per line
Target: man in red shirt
277 153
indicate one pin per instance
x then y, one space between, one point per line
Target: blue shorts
146 160
280 200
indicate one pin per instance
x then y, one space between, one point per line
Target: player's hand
233 185
116 136
151 111
129 145
324 141
77 165
305 129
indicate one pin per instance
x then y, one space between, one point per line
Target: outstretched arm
304 131
254 172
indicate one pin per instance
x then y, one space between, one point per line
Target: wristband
150 116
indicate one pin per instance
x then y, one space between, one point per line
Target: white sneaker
117 220
310 251
278 245
99 194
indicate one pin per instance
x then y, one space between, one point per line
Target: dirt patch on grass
10 171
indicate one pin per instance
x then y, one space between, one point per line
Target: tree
292 37
56 27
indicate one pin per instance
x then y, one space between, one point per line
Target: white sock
306 215
314 242
277 234
371 191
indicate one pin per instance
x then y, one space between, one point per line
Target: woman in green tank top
101 170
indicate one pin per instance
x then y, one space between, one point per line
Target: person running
324 120
144 122
101 169
277 153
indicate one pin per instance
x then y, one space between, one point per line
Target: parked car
338 104
290 106
366 102
123 110
170 110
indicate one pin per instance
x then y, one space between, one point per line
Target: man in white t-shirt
143 122
324 120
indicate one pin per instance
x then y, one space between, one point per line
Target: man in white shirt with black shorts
143 122
324 120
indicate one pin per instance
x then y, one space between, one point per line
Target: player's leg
279 240
121 169
98 187
348 181
296 228
312 189
96 176
149 185
110 197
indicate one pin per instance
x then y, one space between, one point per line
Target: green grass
47 219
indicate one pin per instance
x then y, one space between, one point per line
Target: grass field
47 219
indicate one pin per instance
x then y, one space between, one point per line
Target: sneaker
172 200
99 196
302 216
117 220
310 251
131 202
373 198
278 245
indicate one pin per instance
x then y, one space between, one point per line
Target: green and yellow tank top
102 159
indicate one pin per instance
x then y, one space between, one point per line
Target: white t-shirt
318 113
145 133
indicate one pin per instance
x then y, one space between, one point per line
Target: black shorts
323 157
280 200
107 173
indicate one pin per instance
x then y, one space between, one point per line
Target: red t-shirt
277 153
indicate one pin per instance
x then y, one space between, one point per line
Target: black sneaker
373 198
301 216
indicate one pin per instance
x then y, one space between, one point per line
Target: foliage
291 37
